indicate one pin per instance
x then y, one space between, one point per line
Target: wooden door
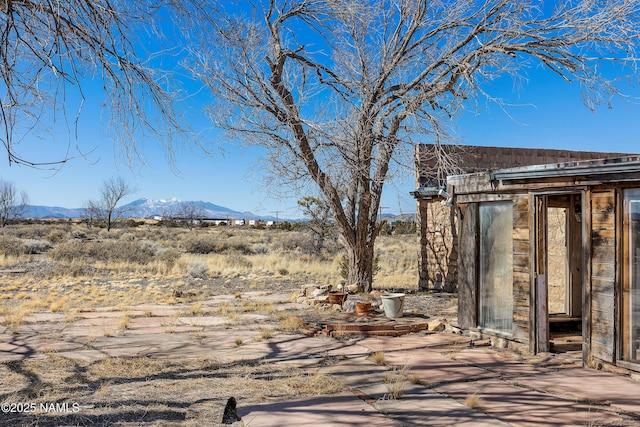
540 288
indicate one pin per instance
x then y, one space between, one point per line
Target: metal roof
587 167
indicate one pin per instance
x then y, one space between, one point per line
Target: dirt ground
67 385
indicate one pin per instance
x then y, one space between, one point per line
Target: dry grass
151 265
396 387
266 333
473 401
292 324
379 358
128 391
144 265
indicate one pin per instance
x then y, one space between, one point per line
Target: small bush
56 236
168 257
105 251
260 248
203 245
238 260
198 270
32 246
11 246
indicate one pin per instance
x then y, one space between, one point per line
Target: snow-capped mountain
147 208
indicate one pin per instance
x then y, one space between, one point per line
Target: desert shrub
10 245
239 244
168 256
79 235
198 270
127 236
26 231
295 241
32 246
260 248
205 244
236 259
132 223
105 251
56 235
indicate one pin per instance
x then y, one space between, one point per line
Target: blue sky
550 115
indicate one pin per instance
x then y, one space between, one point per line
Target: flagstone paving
439 371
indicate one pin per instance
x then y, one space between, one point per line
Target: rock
306 290
320 291
349 306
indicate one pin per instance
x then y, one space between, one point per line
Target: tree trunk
360 259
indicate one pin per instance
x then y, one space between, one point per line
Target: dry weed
396 387
293 324
473 401
379 358
267 333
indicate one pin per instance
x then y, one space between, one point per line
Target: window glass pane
496 266
632 285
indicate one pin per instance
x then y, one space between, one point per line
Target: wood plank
603 253
602 275
603 202
520 234
521 247
467 267
606 286
603 270
603 220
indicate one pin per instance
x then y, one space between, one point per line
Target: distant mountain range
147 208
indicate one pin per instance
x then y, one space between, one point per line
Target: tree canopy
52 51
338 91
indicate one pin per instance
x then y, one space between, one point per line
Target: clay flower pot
337 297
363 307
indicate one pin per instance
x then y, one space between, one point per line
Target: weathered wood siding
603 274
467 265
521 269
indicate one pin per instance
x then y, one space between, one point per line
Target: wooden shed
437 223
552 249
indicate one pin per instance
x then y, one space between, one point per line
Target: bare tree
51 52
105 208
12 202
190 213
91 213
338 90
320 220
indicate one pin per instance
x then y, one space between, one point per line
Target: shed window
631 303
496 266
